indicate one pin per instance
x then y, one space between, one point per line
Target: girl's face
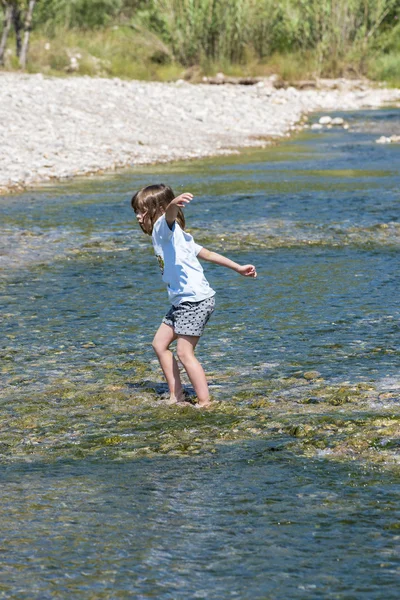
141 216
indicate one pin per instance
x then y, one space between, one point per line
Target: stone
325 120
86 124
337 121
311 375
383 140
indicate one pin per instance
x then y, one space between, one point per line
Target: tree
18 13
27 31
8 9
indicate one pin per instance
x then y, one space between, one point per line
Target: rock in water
337 121
311 375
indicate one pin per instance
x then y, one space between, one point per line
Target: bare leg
185 350
162 340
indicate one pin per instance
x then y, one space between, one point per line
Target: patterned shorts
190 318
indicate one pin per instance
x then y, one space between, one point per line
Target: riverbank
59 128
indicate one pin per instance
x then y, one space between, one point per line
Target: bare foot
171 400
178 399
184 403
203 404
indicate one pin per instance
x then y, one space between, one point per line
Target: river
289 486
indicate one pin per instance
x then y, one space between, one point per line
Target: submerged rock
122 421
311 375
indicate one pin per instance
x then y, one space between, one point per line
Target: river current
109 493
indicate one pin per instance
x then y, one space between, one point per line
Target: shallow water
319 216
108 493
249 523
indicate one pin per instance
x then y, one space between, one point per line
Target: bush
386 67
86 14
304 37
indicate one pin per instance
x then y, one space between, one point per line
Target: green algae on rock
118 421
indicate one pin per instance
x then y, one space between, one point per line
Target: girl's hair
154 200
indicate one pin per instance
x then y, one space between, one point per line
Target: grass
386 68
131 53
113 52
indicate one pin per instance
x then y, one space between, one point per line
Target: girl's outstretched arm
218 259
173 207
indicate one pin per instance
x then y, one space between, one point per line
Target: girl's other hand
182 200
248 271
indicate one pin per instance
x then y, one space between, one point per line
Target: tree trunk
6 30
27 31
16 17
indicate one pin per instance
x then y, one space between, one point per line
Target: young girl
160 215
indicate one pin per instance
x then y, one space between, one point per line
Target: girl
160 215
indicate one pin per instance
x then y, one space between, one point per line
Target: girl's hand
173 207
247 271
182 200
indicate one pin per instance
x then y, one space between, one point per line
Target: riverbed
288 486
56 128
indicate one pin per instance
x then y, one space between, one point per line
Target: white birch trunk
27 31
6 31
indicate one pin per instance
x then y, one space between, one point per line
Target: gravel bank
56 128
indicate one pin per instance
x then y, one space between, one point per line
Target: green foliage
112 52
200 31
207 29
86 14
386 67
307 37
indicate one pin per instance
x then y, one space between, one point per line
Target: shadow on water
287 487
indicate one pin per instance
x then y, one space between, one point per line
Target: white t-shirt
176 253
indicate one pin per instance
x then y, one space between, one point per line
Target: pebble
395 139
84 125
311 375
